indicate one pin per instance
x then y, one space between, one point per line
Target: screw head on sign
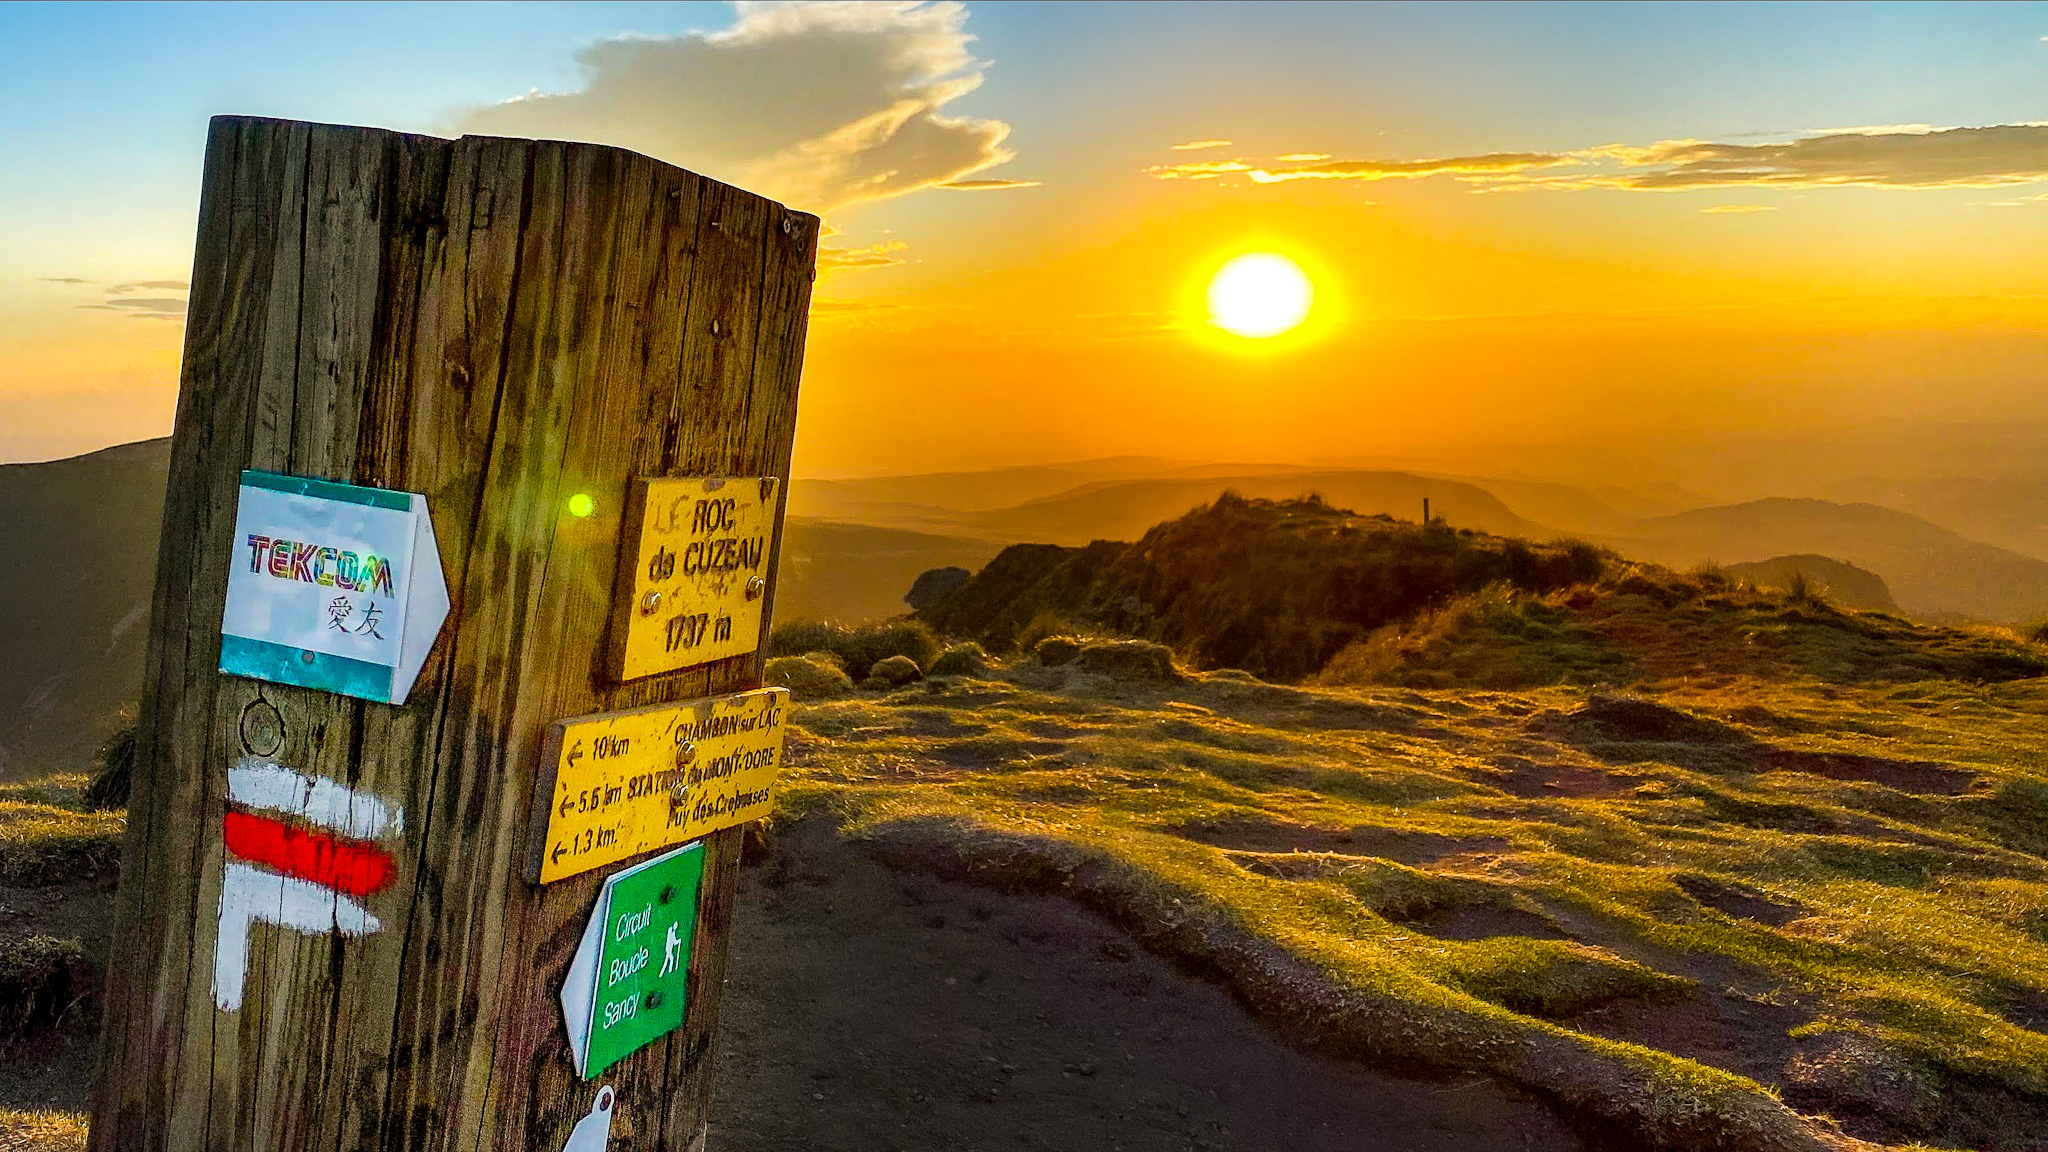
788 226
686 752
650 602
755 587
306 656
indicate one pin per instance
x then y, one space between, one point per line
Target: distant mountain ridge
1931 571
74 599
74 591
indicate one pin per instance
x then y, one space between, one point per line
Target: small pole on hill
327 934
1425 511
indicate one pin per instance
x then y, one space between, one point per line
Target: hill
2009 511
1843 583
871 500
1272 587
74 599
1292 589
1932 571
837 571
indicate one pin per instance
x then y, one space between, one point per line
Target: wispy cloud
1876 156
146 307
118 298
1492 162
1718 209
1198 145
873 256
1304 157
2015 202
818 105
987 185
1198 169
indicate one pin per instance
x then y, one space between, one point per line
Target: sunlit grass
1349 827
39 1131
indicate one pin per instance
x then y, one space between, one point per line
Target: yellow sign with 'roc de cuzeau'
698 551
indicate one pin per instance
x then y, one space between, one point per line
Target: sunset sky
1528 226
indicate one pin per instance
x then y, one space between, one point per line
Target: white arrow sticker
594 1131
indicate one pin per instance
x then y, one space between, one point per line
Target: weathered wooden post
519 332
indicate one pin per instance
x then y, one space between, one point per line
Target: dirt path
869 1010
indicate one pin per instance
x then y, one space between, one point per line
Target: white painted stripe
329 803
249 894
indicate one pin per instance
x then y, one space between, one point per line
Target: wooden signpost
330 928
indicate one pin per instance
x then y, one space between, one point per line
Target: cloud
873 256
820 105
987 185
1720 208
2015 202
1304 157
1198 169
1198 145
63 280
154 285
1941 158
155 308
1410 169
1877 156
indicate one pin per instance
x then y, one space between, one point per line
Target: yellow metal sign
619 784
698 576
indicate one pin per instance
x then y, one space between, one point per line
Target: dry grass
47 836
1530 884
39 1131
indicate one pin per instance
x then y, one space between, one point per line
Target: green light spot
581 504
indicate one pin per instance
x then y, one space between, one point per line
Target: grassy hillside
1841 582
1744 914
74 600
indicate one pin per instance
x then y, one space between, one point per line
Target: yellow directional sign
619 784
698 550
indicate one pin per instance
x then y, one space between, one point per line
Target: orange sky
1509 247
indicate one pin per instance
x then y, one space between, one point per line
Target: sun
1260 295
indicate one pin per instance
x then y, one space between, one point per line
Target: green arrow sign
627 986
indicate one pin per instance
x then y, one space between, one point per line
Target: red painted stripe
356 867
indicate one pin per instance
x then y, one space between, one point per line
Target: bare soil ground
875 1010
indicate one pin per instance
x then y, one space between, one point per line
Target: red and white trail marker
302 852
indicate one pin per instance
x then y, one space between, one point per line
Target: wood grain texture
498 324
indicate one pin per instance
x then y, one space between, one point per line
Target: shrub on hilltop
858 647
